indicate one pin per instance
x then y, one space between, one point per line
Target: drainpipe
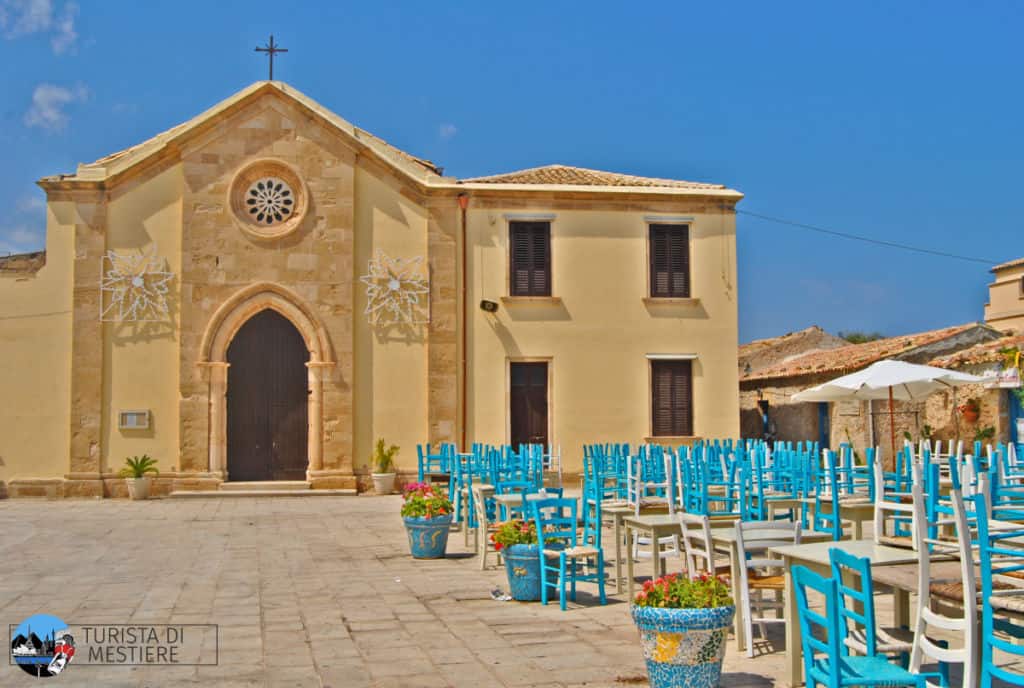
463 204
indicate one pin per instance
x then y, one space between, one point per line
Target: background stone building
263 291
1005 307
867 423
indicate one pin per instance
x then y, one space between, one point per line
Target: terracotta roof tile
855 356
565 175
986 352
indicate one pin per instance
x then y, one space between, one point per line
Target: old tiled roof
421 172
17 263
855 356
986 352
761 344
1009 264
566 175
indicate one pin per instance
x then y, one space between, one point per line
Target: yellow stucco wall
390 365
140 360
1005 307
598 337
35 344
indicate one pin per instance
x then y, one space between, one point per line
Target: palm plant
383 456
138 467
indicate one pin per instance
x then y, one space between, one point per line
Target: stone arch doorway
226 322
267 407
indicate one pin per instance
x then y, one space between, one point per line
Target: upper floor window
670 261
530 258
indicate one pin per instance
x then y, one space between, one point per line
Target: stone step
232 494
264 485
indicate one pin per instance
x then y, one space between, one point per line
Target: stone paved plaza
307 592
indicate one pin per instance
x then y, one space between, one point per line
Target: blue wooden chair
995 559
514 487
858 625
825 661
433 464
563 561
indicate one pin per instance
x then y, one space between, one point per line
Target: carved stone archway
222 328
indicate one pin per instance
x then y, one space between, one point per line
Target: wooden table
654 526
724 540
504 501
856 512
773 504
815 557
904 577
618 511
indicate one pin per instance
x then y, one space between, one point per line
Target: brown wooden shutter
671 398
530 256
670 261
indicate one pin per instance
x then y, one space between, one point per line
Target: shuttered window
672 398
670 261
530 257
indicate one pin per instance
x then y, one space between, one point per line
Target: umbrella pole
892 427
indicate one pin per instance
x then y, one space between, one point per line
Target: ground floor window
671 398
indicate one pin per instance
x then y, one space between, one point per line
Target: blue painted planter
683 648
428 537
522 564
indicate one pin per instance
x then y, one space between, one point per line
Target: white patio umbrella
891 380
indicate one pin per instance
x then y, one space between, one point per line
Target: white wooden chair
640 493
697 545
759 573
963 590
484 528
896 504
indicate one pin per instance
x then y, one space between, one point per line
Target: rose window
269 200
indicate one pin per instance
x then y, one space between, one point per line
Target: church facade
261 292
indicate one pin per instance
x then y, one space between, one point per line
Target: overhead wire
867 240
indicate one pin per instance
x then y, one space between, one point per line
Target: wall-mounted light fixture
489 306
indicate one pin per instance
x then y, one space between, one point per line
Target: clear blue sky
900 121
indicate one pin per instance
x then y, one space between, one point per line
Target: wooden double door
267 401
528 401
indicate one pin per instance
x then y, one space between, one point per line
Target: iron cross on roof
270 49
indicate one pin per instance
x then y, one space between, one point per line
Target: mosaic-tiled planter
428 537
522 564
683 648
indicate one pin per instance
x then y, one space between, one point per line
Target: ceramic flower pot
138 488
383 483
428 537
970 415
683 647
522 565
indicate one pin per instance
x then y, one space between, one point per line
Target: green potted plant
984 434
683 627
384 467
136 474
428 517
970 410
516 540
